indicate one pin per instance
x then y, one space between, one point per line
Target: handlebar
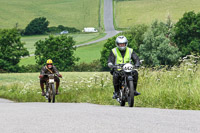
120 66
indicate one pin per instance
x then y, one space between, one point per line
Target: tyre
53 93
131 94
49 96
122 100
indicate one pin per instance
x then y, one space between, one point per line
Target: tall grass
129 13
177 88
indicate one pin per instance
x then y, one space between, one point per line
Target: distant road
91 118
108 23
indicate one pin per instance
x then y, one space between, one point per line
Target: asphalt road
108 23
5 101
90 118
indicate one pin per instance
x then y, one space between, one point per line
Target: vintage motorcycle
50 89
126 93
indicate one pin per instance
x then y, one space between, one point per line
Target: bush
30 68
62 28
187 33
60 49
11 50
37 26
157 48
94 66
136 36
107 48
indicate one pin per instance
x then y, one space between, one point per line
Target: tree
11 50
107 48
60 49
136 36
157 48
187 33
37 26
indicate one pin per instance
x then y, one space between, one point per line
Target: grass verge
177 88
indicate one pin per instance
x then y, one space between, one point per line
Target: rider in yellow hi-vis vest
120 59
119 55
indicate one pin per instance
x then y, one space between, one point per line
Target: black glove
137 67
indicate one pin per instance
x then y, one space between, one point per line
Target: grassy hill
128 13
79 39
72 13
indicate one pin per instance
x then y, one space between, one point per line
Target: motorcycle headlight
128 67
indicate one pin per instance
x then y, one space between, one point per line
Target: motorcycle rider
119 55
49 69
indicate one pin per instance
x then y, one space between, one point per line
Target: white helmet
121 39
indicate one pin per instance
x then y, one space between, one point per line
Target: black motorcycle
126 93
50 89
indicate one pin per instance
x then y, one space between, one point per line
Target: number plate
51 80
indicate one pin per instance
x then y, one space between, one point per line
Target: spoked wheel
122 100
52 94
131 94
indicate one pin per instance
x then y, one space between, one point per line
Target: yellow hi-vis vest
118 57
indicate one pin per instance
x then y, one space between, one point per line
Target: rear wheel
131 94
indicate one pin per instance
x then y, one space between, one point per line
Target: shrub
187 33
60 49
94 66
11 50
157 48
37 26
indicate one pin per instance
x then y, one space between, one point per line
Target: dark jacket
134 58
44 70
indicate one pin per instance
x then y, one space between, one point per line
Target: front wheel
52 94
122 100
131 94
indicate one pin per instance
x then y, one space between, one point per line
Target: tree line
40 26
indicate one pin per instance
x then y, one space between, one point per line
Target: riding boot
42 87
57 85
116 93
135 92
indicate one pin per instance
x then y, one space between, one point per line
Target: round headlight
128 67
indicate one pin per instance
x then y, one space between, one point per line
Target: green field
79 39
89 53
129 13
86 54
177 88
71 13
